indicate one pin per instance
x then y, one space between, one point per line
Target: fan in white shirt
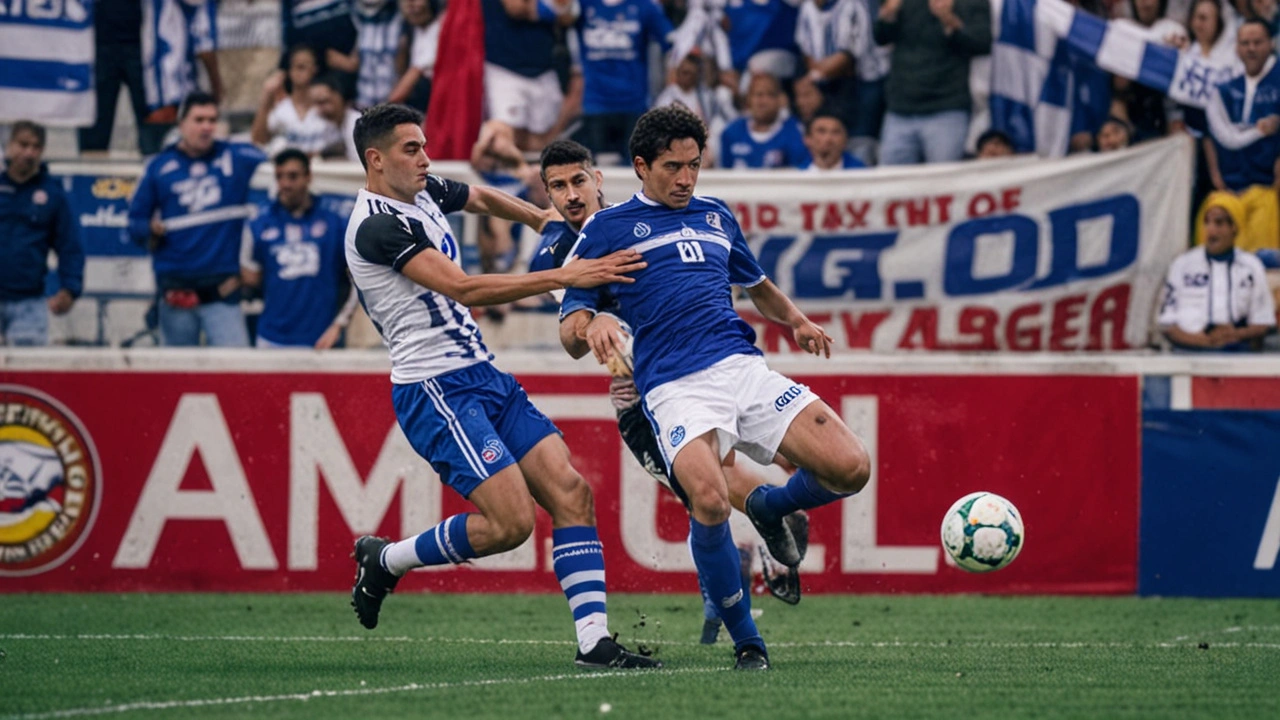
285 116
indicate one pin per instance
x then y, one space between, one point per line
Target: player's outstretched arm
434 271
776 306
488 201
573 333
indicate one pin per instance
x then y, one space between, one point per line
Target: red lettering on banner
982 204
834 216
859 328
767 216
922 330
1010 199
743 213
980 322
764 216
1019 335
1061 332
1110 308
914 212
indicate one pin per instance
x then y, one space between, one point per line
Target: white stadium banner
46 62
1021 255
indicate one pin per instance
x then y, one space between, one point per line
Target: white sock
591 630
401 557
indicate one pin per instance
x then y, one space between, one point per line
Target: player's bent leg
714 553
577 555
778 534
833 464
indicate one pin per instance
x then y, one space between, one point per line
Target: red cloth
457 90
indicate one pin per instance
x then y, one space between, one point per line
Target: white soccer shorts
521 102
748 405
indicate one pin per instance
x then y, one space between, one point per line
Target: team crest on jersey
677 435
686 231
713 219
492 451
50 482
642 230
39 197
318 228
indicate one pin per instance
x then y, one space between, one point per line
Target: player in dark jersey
706 388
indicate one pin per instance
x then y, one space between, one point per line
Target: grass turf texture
510 656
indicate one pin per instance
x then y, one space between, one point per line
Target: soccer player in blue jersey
189 208
474 423
295 253
574 188
705 386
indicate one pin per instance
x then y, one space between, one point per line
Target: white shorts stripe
581 599
582 577
455 428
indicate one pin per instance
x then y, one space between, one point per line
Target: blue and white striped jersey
680 307
378 30
428 333
173 33
203 203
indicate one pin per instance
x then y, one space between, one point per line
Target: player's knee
710 506
577 504
849 470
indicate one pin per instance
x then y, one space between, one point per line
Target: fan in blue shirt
295 253
706 389
826 138
764 137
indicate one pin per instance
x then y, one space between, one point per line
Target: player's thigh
702 477
556 485
820 441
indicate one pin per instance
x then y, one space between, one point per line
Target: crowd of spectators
823 85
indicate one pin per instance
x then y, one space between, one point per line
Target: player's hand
605 337
602 271
329 337
1269 124
813 339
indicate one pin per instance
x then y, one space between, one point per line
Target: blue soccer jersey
680 307
304 272
613 38
781 146
557 239
203 203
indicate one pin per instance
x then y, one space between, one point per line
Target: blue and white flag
46 62
1032 75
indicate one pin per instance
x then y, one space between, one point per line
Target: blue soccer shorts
469 423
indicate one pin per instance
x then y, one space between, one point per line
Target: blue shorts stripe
455 428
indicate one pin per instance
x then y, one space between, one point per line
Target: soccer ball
982 532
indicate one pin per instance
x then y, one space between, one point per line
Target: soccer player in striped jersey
474 423
573 186
705 386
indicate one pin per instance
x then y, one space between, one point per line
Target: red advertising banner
259 481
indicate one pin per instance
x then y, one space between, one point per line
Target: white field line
1233 629
1182 642
353 692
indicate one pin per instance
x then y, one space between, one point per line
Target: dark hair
1160 9
28 126
199 97
825 112
333 81
993 135
661 126
1254 21
1128 129
564 152
291 154
1217 6
294 50
379 121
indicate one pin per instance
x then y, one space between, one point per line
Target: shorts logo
677 435
50 482
642 230
785 398
492 451
713 219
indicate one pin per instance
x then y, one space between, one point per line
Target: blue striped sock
441 545
578 560
802 492
720 572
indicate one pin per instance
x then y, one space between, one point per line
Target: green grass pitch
510 656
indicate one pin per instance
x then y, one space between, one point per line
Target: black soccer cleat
776 535
798 523
373 581
710 632
608 654
752 657
782 582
